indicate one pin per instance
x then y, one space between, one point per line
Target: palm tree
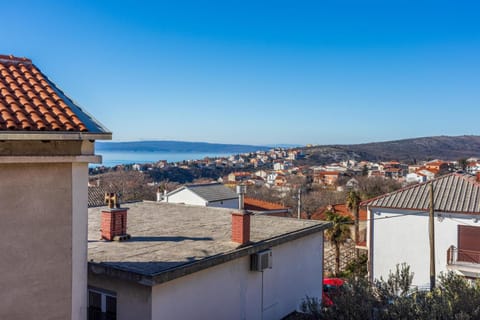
353 203
338 234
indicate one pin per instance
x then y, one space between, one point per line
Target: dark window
101 305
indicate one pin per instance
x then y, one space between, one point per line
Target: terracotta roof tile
261 205
29 102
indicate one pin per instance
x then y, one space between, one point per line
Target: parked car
331 287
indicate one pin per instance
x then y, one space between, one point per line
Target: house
206 195
437 165
261 173
279 165
398 227
473 167
271 177
280 180
255 181
187 262
292 155
328 178
238 176
352 184
393 173
416 177
428 173
46 143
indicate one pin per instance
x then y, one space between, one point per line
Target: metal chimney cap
241 189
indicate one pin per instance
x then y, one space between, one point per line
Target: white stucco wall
232 291
186 196
404 238
79 240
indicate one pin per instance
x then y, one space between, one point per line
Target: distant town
279 170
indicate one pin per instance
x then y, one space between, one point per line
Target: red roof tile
29 102
261 205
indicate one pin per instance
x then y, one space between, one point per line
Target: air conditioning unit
261 260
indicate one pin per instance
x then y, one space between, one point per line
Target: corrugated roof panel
452 193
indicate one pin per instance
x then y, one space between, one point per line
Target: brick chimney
114 220
241 227
114 224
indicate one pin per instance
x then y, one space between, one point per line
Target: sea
113 158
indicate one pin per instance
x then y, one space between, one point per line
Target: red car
331 287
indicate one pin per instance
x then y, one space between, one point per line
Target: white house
271 177
398 228
279 165
473 167
429 175
416 177
261 173
206 195
187 262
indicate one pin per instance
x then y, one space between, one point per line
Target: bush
394 298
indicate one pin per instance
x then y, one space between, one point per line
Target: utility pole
431 228
299 204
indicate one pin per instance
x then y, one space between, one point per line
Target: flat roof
172 240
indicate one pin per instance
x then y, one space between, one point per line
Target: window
102 305
469 244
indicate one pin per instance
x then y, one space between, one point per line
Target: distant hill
176 147
407 150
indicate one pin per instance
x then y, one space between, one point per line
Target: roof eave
56 135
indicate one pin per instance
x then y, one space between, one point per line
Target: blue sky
259 72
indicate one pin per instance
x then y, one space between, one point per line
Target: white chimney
159 195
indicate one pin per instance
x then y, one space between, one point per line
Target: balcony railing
456 256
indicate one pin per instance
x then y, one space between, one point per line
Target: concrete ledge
50 159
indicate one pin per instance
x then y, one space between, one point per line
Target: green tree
338 234
365 171
462 163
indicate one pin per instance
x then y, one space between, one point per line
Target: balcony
464 261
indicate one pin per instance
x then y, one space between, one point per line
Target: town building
398 227
46 143
206 195
190 262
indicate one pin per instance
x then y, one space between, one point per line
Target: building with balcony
398 224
